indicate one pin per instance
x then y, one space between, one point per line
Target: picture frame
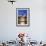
22 16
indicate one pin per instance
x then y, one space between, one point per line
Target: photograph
22 16
22 22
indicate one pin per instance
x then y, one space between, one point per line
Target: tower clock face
22 16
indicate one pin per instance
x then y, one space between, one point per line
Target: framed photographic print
22 16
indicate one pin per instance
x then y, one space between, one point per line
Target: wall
37 28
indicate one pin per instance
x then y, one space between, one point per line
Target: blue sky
22 12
